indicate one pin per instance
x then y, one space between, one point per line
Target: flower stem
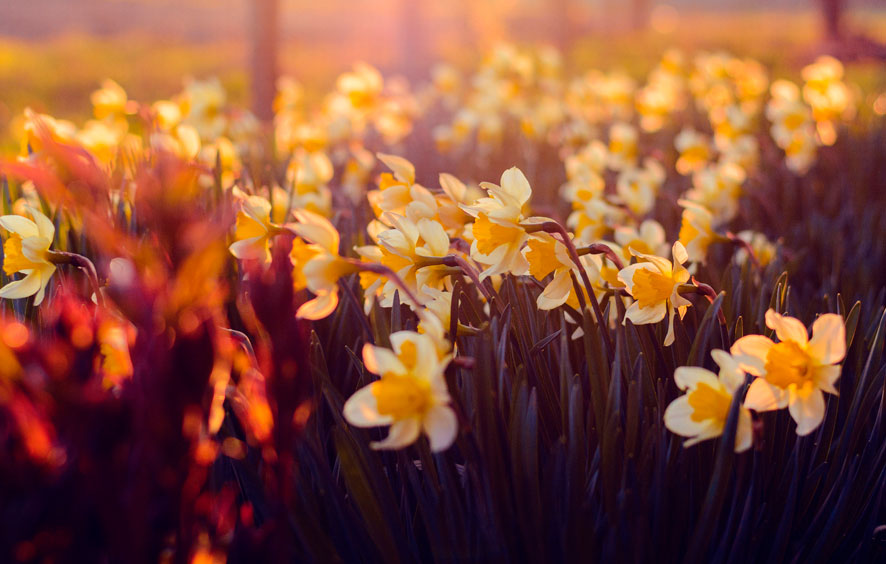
602 249
554 227
739 242
84 264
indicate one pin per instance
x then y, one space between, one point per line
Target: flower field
523 311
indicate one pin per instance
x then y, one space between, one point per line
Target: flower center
300 255
542 257
14 259
401 397
248 227
490 236
709 403
786 364
651 288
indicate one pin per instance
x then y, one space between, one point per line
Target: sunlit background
53 53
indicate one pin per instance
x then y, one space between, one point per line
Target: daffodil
253 230
654 284
717 187
317 265
696 230
623 147
408 249
411 394
648 238
546 255
701 413
795 371
26 250
764 249
695 150
637 187
497 231
398 192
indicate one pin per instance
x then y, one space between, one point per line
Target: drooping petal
763 396
808 411
402 434
556 292
46 272
641 316
669 338
441 427
361 409
712 429
27 286
320 307
787 328
744 434
828 343
254 248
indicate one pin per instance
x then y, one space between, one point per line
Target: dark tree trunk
264 40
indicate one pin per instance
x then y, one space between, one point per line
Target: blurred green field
57 76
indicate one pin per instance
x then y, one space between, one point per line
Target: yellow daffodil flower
654 284
253 230
546 255
701 413
497 232
794 372
26 250
411 394
696 230
623 148
695 151
317 265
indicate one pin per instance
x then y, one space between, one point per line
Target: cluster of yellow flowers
422 238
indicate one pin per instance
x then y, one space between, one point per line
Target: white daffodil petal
808 411
763 396
402 434
750 351
27 286
787 328
641 316
828 342
690 376
826 376
23 226
441 427
678 418
382 361
744 434
361 409
320 307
